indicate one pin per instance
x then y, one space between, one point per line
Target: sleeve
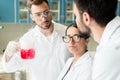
14 64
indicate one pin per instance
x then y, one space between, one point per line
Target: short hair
83 35
35 2
102 11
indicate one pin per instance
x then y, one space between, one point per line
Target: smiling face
41 15
76 47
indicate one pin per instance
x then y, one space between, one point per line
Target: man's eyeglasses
40 15
67 39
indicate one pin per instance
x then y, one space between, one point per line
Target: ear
31 16
86 18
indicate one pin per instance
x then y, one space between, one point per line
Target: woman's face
76 47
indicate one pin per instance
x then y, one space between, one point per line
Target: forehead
72 31
39 8
75 9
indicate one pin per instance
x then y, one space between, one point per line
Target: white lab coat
80 71
106 62
50 54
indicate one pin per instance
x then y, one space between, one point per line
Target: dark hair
83 35
71 25
35 2
102 11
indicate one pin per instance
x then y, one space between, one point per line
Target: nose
71 40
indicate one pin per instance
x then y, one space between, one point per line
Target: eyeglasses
40 15
67 39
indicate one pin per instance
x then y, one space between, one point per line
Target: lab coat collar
37 31
109 30
86 56
54 34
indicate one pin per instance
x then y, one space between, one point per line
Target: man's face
79 21
41 15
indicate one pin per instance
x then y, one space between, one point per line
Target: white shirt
80 71
106 64
50 55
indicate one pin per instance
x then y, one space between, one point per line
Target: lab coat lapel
109 30
82 59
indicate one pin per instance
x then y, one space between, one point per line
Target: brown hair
35 2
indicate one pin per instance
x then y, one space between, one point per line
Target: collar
86 56
109 30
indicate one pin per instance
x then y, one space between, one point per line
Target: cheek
78 23
82 43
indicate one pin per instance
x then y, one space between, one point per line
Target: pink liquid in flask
27 53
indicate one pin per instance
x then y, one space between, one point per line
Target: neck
97 31
48 32
77 56
98 34
74 61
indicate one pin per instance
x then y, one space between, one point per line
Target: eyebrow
73 35
41 12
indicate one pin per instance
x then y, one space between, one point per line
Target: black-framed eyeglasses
43 14
67 38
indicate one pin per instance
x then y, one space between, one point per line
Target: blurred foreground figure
100 21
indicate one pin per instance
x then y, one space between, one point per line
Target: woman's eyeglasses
67 38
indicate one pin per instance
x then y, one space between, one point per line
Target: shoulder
88 57
59 24
69 60
29 34
108 55
85 61
59 28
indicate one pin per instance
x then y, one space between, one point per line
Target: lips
46 22
71 46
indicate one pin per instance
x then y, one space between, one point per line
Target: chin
46 28
72 50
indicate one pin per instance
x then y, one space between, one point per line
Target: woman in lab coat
79 66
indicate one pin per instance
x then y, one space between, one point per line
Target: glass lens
66 38
37 15
44 14
75 38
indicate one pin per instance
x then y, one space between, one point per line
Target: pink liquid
27 53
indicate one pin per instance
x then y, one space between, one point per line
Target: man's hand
12 48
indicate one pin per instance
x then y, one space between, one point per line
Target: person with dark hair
99 19
45 39
79 67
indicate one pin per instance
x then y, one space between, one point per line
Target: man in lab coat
50 51
100 20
